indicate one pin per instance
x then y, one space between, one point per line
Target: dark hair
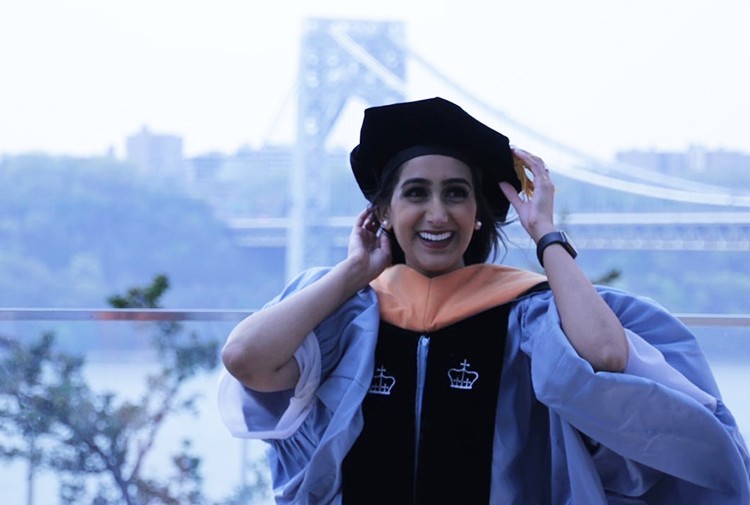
484 241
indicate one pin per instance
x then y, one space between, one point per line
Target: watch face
565 238
568 244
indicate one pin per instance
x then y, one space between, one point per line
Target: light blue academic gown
564 433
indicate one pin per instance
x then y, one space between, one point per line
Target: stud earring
478 225
385 224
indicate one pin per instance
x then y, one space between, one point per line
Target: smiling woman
434 213
414 372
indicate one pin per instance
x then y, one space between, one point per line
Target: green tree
30 377
98 443
115 438
608 278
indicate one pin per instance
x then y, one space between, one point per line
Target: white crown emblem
461 378
381 383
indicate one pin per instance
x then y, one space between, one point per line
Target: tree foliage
69 228
33 378
73 230
96 442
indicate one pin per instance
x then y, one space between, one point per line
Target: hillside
74 231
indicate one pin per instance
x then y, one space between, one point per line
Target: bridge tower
339 59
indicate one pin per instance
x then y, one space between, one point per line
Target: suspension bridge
366 59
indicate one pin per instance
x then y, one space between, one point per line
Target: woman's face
433 211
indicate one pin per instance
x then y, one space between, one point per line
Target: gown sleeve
660 433
253 414
645 360
312 427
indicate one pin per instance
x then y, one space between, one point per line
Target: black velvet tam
393 134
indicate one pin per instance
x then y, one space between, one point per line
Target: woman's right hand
369 251
260 349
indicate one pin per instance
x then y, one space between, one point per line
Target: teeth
435 237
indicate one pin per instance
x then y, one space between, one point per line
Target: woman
413 372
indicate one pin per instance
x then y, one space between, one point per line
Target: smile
435 237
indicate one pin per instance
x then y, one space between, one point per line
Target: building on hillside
696 160
154 154
256 182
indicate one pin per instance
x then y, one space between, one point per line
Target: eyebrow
446 182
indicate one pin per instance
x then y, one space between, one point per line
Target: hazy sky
78 76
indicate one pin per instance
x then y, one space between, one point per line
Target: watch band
554 237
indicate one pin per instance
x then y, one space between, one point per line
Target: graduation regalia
560 432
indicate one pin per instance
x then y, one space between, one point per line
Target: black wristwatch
554 237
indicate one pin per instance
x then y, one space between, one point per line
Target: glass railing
120 359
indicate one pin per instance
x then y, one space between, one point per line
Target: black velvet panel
380 466
453 459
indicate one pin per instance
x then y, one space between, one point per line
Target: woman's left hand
590 325
536 212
